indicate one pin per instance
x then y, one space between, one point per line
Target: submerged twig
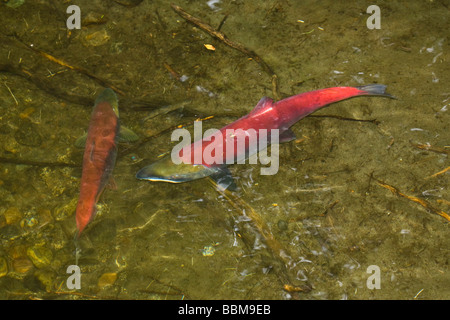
165 109
431 148
422 202
222 22
48 84
440 172
222 37
99 80
12 94
38 163
428 147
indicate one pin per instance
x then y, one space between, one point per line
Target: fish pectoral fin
127 135
81 141
263 103
287 136
224 180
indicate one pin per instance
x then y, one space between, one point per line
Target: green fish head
166 170
108 95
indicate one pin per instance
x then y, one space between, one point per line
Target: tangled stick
222 37
54 88
422 202
428 147
99 80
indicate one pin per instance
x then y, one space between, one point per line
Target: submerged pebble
94 18
28 223
3 267
107 279
20 262
208 251
32 283
28 134
40 256
36 219
96 38
66 210
44 216
282 225
59 240
22 265
45 277
12 215
9 232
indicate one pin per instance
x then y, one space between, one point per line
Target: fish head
166 170
109 96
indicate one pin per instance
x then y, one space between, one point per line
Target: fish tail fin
376 90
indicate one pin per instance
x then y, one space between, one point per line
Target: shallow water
324 208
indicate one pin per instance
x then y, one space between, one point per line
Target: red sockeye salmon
100 153
267 115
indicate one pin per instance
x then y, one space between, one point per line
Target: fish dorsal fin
81 141
263 103
126 135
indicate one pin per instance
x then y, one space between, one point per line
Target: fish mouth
167 171
108 95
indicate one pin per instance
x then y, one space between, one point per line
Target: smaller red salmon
100 153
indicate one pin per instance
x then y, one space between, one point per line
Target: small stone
28 222
36 219
107 279
40 256
208 251
66 210
45 216
27 113
3 267
94 18
28 134
282 225
18 251
96 38
32 283
22 265
10 145
46 278
9 232
12 215
20 262
59 238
